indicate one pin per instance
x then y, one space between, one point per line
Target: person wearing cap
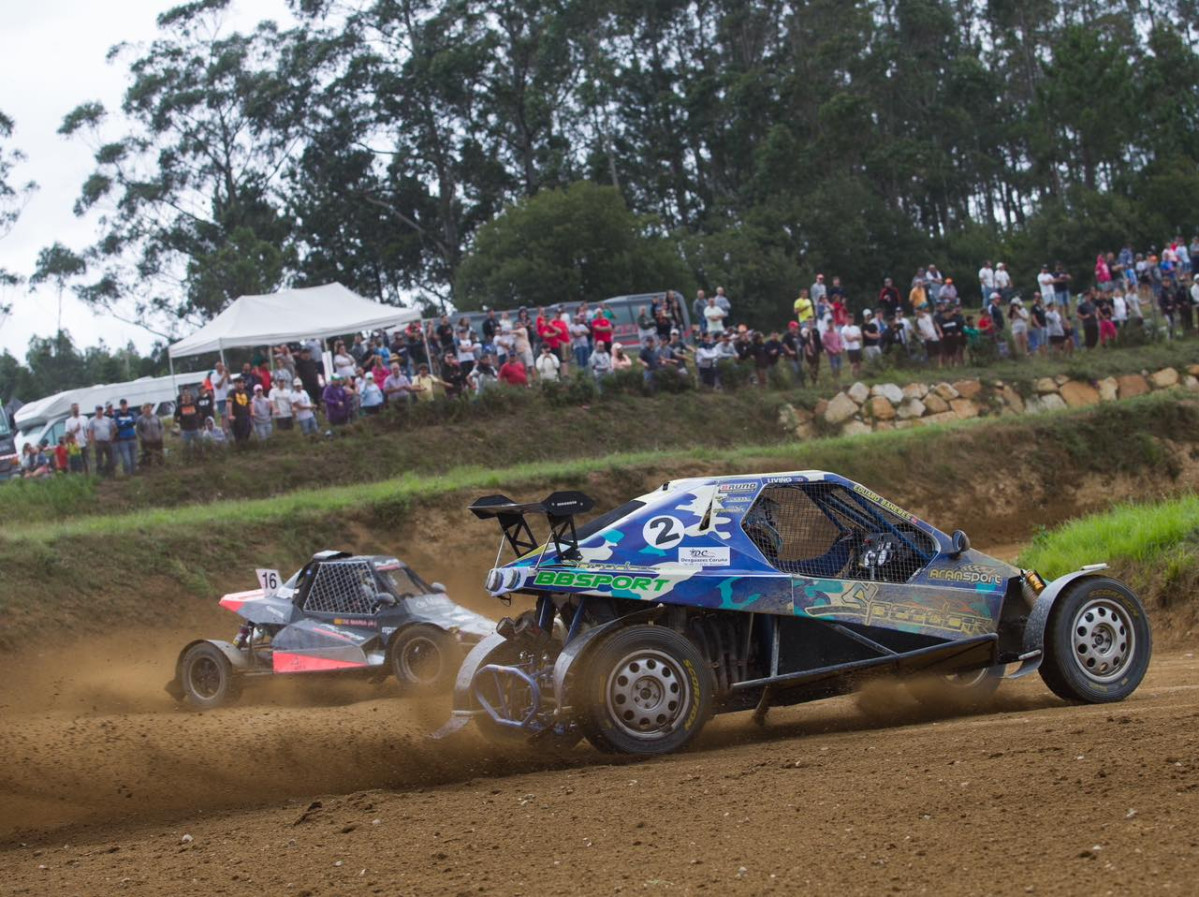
126 439
994 310
372 395
337 402
1003 280
149 434
101 431
949 292
872 337
262 413
240 420
1018 319
303 408
281 396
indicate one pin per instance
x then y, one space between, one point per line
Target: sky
52 58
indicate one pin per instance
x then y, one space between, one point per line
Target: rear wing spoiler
559 509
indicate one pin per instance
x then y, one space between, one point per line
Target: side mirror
961 543
438 587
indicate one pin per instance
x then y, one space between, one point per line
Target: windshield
402 582
5 430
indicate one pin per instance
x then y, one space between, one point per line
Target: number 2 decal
663 532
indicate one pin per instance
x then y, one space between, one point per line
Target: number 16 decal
663 532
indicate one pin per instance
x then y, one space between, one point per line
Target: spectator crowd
924 321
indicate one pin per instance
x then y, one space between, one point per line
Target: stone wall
886 406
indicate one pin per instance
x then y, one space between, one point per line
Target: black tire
1097 642
956 691
206 677
424 659
645 690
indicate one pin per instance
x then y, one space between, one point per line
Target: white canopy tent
289 316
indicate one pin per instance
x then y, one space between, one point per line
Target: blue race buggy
721 594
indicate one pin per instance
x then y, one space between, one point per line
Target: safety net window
342 587
825 530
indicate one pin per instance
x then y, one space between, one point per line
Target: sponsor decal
704 557
620 582
878 499
792 479
971 574
862 604
362 624
737 487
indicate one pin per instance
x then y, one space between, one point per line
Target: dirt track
1033 796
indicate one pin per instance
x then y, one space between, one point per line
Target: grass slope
1152 547
93 574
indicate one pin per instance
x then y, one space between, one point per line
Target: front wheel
206 677
1097 642
646 690
424 659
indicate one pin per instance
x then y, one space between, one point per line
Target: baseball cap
297 382
257 387
867 314
370 376
99 407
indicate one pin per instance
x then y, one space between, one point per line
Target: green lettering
583 580
601 579
544 579
565 578
622 582
659 584
640 584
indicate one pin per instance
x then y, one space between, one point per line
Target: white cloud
52 58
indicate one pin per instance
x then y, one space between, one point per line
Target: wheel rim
968 679
421 660
205 677
1103 640
647 694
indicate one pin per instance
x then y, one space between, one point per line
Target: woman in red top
601 329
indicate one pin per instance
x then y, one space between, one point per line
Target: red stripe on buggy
302 663
235 600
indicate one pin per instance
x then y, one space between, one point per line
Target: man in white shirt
76 426
851 335
715 316
986 280
219 378
547 365
281 398
1045 281
302 405
1003 281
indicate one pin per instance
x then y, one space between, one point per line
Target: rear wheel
1097 642
206 677
646 690
424 659
960 691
